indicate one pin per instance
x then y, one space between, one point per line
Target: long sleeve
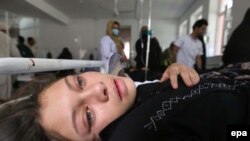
107 48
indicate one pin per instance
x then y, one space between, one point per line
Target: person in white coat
7 49
111 43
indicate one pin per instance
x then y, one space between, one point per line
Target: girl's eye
89 118
80 81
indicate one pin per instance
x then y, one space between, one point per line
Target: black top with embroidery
201 112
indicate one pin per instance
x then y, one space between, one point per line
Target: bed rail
31 65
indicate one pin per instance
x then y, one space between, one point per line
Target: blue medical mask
115 31
147 32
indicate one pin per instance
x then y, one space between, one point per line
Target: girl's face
77 108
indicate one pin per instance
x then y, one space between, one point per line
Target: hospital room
124 70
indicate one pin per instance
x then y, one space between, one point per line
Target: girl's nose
97 92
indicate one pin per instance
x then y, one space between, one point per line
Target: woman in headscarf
155 54
111 43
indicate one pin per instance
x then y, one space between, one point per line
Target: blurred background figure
23 49
237 49
155 57
111 43
155 54
31 43
49 55
7 49
65 54
188 48
167 56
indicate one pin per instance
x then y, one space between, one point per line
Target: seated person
167 56
94 106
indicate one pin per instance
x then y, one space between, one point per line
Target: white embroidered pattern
168 104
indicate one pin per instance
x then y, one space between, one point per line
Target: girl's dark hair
19 119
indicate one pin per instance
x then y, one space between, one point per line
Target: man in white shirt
188 49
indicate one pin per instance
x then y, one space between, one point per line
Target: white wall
54 36
238 11
165 31
29 27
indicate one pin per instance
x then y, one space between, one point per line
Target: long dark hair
19 117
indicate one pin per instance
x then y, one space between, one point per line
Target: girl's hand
189 75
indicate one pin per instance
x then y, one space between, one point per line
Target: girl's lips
121 88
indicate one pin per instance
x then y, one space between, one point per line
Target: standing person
155 53
111 43
24 50
188 49
31 43
7 46
7 49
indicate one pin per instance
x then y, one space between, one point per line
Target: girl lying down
94 106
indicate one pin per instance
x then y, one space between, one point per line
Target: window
224 24
183 28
